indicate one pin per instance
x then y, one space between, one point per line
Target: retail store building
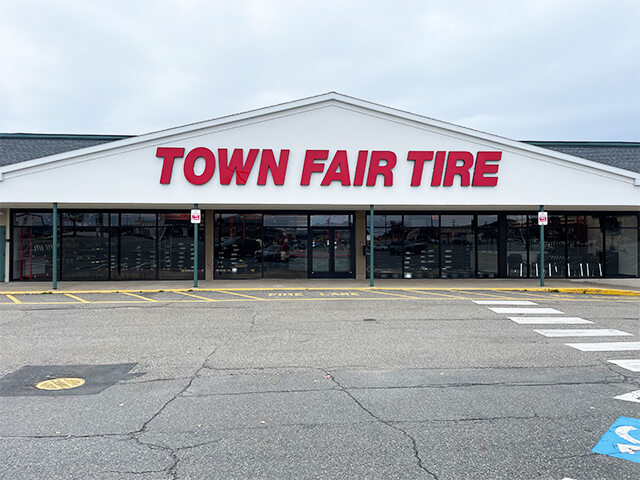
286 192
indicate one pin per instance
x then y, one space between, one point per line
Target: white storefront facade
286 192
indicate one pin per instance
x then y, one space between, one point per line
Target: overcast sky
539 69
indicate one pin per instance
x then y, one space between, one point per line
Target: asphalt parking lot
316 383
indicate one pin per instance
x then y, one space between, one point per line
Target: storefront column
4 245
208 244
360 242
54 273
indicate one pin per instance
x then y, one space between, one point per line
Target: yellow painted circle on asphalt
63 383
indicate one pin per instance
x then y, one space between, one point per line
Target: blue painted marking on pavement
622 440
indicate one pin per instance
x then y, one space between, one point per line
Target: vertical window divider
157 245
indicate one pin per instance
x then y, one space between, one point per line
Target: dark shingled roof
617 154
19 147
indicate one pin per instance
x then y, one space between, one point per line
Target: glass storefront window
138 219
32 251
133 253
456 220
84 252
621 243
285 252
278 220
238 249
458 255
330 220
81 219
585 255
517 246
554 247
421 220
421 257
487 246
388 238
175 247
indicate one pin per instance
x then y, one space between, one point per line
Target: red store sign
443 168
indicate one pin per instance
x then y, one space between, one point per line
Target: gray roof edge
580 143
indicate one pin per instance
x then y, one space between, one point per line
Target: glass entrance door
331 253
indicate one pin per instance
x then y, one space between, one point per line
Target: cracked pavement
424 389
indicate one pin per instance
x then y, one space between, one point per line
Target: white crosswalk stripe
504 302
524 310
550 320
630 397
605 346
628 364
584 332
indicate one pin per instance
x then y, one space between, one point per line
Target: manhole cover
63 380
62 383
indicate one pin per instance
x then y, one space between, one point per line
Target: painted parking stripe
524 310
139 296
631 364
605 346
13 299
81 300
197 296
630 397
584 332
550 320
504 302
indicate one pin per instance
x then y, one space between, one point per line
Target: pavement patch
52 378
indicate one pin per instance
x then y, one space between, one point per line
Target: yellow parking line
497 295
13 299
195 296
139 296
81 300
241 295
377 290
442 295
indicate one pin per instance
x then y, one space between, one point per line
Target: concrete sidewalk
631 284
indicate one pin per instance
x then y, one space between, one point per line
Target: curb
587 291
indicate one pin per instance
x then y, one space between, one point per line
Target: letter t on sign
419 158
168 154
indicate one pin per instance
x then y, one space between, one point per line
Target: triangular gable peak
333 123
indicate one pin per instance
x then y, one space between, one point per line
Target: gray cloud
527 70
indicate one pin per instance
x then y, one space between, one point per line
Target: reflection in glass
487 246
133 253
32 252
238 248
85 252
517 246
456 220
330 220
458 256
285 252
621 242
273 220
584 247
388 246
175 247
342 250
421 255
320 244
554 247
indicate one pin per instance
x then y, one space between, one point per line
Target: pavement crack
252 323
490 384
633 380
414 445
